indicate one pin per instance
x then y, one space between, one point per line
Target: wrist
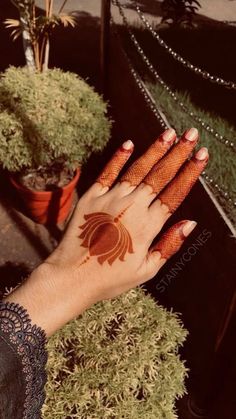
48 298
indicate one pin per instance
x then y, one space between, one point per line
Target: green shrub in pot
50 123
117 360
48 118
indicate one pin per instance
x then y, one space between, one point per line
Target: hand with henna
108 246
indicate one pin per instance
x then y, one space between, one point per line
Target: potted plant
50 123
50 120
119 359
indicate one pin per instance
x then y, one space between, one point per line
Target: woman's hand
108 246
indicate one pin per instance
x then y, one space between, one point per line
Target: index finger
112 169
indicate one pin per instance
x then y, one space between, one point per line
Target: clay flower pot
48 206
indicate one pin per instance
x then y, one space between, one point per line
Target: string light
197 70
228 143
222 190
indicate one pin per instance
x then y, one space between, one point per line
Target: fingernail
188 227
191 134
202 154
127 145
168 135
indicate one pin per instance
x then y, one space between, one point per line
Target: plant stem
46 54
36 54
26 15
46 7
46 40
27 44
62 6
35 40
51 8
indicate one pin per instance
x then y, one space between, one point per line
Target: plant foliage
179 11
36 30
45 117
118 360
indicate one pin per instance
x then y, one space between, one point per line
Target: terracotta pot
48 206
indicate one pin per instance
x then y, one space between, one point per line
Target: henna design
165 170
140 168
106 237
171 241
114 166
174 194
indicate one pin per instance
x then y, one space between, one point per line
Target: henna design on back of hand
106 237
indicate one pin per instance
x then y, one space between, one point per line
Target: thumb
168 245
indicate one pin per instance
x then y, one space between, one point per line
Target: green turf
222 163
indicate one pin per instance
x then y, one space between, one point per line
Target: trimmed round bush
45 117
117 360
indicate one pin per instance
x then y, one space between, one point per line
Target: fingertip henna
127 147
172 240
114 166
174 194
165 170
202 155
168 136
141 167
190 135
200 162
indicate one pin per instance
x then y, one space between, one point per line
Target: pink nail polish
188 227
202 154
169 135
191 134
127 145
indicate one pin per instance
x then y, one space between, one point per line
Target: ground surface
215 9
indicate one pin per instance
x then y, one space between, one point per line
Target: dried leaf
67 20
14 23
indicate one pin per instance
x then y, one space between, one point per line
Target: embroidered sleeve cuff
28 342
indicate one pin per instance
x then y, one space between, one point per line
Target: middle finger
165 170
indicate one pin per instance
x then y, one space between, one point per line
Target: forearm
48 298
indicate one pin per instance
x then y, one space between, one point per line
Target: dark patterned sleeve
23 358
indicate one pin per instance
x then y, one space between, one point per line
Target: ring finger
165 170
176 191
